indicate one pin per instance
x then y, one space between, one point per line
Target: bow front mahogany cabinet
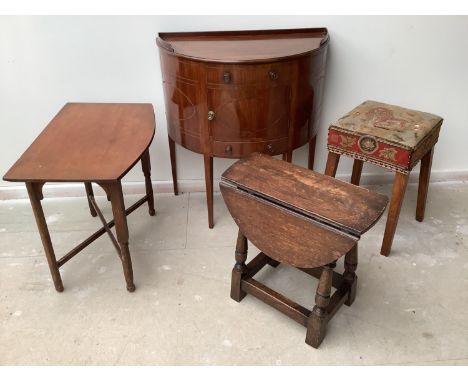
229 94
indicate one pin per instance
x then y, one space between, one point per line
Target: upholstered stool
391 137
302 219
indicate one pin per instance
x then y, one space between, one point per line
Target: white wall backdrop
417 62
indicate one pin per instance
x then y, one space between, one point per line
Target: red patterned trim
369 148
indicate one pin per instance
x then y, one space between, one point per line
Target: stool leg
35 196
357 169
146 167
209 188
121 228
350 265
424 175
332 164
172 153
317 322
239 269
89 192
398 192
312 143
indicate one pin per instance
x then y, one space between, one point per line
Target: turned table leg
312 144
398 192
349 275
172 153
146 167
332 164
317 322
35 196
240 268
357 170
89 192
424 176
209 187
121 228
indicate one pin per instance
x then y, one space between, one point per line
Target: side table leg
317 323
35 196
209 188
350 265
121 228
146 167
240 268
398 192
172 153
332 164
89 192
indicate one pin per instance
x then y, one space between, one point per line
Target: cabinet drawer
241 149
261 74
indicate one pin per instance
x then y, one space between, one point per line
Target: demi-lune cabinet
229 94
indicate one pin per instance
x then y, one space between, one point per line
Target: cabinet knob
228 149
273 75
270 148
227 77
211 115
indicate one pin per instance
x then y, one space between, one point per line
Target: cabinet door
248 112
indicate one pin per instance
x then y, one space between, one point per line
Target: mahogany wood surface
87 142
228 94
331 201
243 46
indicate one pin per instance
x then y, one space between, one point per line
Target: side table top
349 208
87 142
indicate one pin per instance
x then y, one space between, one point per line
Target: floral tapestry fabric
394 124
386 135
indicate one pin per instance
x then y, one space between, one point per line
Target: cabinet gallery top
244 46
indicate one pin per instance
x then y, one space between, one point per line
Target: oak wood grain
339 204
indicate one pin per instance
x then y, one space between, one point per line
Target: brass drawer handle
273 75
270 148
227 77
211 115
228 149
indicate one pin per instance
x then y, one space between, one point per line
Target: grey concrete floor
411 308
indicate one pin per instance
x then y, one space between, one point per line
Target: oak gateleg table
90 143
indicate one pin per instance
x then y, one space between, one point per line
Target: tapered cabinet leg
312 143
350 265
287 156
89 192
424 176
35 196
398 192
172 152
239 269
121 228
209 188
317 322
146 167
332 164
357 170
